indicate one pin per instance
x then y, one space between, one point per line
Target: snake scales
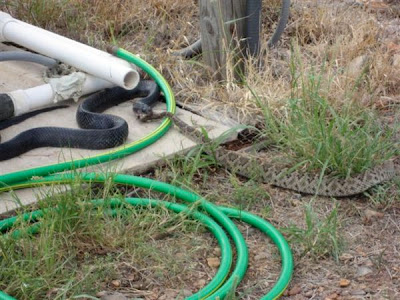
302 182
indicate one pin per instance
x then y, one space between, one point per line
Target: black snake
97 130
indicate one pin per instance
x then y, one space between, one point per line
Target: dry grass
323 32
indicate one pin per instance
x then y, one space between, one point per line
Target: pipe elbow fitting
6 107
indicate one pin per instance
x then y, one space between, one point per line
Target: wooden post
222 26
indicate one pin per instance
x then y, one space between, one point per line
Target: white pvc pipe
88 59
46 94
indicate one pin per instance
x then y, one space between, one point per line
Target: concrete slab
17 75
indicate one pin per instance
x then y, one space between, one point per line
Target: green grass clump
386 195
320 238
185 171
316 132
248 194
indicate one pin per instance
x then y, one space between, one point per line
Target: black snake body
97 130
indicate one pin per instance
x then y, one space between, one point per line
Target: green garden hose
221 284
219 233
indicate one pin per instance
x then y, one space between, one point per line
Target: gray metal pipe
27 56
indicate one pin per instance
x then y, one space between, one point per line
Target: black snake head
140 108
150 93
142 111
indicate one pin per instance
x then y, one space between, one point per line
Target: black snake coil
98 131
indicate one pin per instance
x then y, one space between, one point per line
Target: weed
185 170
384 195
248 194
321 237
315 133
231 295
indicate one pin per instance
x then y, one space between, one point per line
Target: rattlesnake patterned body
250 166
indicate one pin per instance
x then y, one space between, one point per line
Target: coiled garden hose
28 57
221 284
252 32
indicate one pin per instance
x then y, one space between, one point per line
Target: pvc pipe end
131 80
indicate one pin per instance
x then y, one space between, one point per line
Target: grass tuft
316 133
246 195
186 171
385 196
320 237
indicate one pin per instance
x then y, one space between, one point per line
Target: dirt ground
368 264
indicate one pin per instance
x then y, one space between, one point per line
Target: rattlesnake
307 183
